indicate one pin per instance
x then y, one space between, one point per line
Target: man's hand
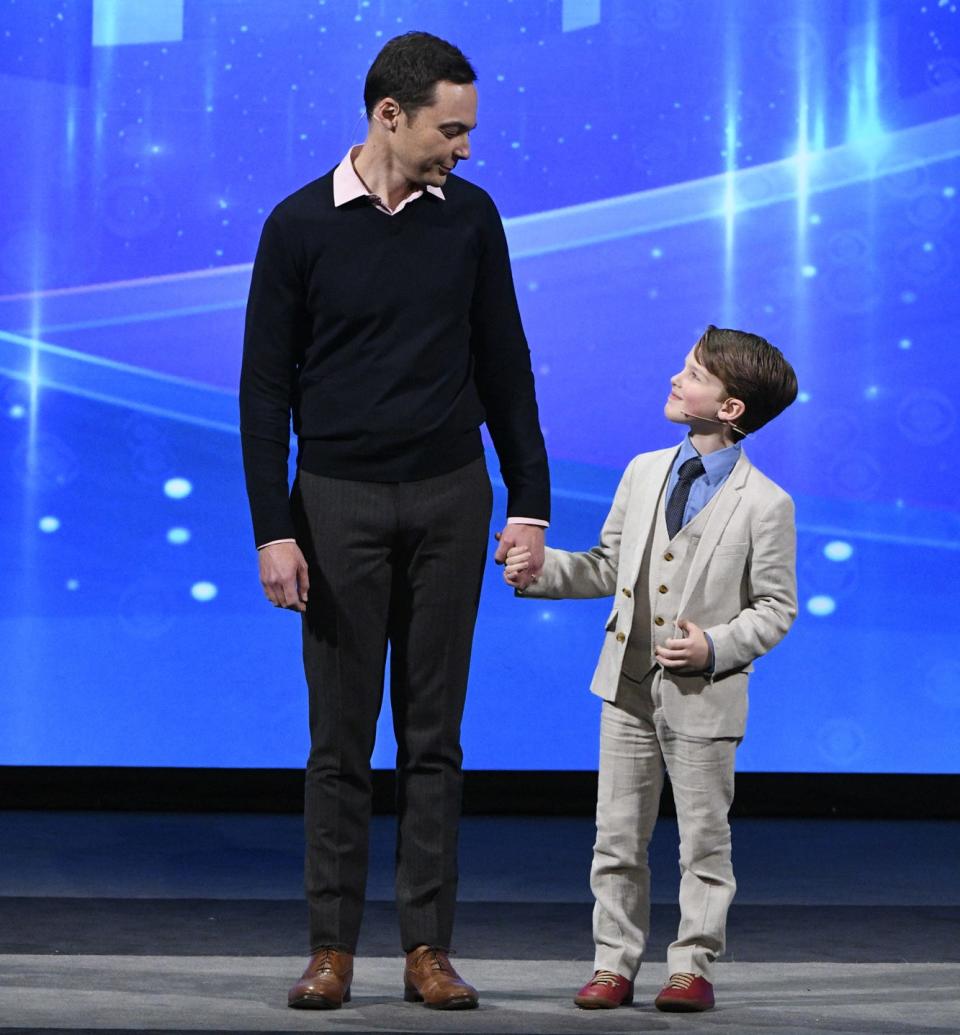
690 654
529 538
284 576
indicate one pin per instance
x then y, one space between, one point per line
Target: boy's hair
751 370
408 69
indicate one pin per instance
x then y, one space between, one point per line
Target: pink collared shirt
347 186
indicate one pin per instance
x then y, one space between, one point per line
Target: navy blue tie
690 471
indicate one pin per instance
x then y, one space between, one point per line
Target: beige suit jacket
741 588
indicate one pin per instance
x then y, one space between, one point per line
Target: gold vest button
626 592
668 556
658 620
662 589
621 637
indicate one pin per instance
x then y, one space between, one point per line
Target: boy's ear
731 409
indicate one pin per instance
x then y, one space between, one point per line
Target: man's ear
387 112
731 410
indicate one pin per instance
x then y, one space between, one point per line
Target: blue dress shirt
716 469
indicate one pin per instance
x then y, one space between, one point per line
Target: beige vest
663 575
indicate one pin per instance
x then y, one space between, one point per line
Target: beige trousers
636 745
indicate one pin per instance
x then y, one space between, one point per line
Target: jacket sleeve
504 377
589 573
771 590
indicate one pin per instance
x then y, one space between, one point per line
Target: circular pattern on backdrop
49 464
924 261
837 427
754 187
849 247
944 74
147 609
792 43
841 741
148 449
851 67
132 207
856 473
664 14
931 210
902 183
853 290
820 575
926 417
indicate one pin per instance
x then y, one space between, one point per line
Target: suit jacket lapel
642 512
726 502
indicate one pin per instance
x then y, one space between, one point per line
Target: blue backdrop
789 168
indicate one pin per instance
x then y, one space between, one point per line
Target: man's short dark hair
408 69
752 370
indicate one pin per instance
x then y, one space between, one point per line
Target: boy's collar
716 465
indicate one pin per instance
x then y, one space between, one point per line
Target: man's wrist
273 542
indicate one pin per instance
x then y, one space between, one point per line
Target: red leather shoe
604 991
685 993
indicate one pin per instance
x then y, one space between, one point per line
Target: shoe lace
437 959
606 977
325 961
681 981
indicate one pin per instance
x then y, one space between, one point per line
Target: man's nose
462 151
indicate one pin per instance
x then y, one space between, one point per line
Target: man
382 315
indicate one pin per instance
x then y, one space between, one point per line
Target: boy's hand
521 537
692 653
516 564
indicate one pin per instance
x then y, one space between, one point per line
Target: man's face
694 392
428 145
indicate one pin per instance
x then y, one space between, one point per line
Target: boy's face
694 392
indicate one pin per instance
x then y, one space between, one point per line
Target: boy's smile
694 392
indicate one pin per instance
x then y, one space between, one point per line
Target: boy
699 550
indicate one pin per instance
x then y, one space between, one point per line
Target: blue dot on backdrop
789 168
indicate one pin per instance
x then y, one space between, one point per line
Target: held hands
690 654
521 551
517 563
284 576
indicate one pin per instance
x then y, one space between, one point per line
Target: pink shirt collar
347 186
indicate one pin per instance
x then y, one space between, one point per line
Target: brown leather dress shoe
325 984
604 991
429 978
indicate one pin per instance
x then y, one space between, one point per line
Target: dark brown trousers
398 564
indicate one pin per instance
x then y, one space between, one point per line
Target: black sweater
390 339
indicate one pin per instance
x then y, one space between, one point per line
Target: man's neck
375 167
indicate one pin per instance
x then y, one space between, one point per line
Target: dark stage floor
143 922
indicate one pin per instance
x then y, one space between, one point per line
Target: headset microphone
713 420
